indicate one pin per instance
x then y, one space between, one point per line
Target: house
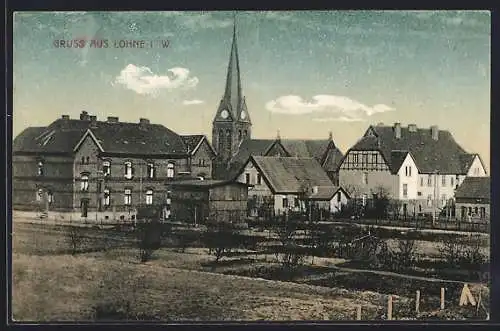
96 169
418 167
285 184
232 133
197 200
473 199
201 155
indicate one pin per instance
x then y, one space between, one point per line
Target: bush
220 239
75 237
149 235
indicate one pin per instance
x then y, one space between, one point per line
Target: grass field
51 285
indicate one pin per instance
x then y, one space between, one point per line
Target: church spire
232 93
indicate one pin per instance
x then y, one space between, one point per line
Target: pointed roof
232 94
444 155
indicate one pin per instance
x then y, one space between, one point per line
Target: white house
419 167
286 183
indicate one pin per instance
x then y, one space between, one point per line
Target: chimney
64 122
412 127
435 132
93 121
143 122
330 135
397 130
84 116
278 137
380 124
112 119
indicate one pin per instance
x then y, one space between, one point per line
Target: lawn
50 285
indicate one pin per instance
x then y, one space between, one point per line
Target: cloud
331 107
143 81
192 102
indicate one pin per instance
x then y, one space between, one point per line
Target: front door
84 206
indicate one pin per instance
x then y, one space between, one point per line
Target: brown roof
293 175
474 187
122 138
444 155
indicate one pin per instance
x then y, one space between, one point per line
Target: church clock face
224 114
243 115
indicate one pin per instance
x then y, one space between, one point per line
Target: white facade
476 169
407 179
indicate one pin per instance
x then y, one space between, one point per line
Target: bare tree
75 237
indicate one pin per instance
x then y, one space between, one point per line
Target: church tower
231 124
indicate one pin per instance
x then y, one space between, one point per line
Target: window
355 158
40 168
408 171
39 194
128 197
83 159
429 200
421 181
247 178
429 180
50 197
128 170
149 197
151 170
405 190
170 170
365 178
365 159
452 181
87 160
240 135
419 193
475 210
363 200
295 202
443 199
259 179
339 197
374 158
107 197
285 203
443 180
84 183
106 168
419 208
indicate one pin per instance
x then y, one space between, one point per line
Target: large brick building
106 168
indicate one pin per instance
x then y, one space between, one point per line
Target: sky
304 73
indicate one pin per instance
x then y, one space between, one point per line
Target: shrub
220 239
149 237
75 238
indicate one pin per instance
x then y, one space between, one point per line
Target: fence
483 227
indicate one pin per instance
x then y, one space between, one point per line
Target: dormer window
106 168
84 183
40 169
151 170
170 170
128 170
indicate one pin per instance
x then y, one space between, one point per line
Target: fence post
417 302
389 308
442 298
358 313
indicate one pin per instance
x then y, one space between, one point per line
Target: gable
476 168
204 149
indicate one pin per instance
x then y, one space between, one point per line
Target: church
232 133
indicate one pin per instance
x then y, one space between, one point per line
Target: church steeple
232 94
231 124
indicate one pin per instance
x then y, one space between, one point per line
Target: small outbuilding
472 199
196 201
